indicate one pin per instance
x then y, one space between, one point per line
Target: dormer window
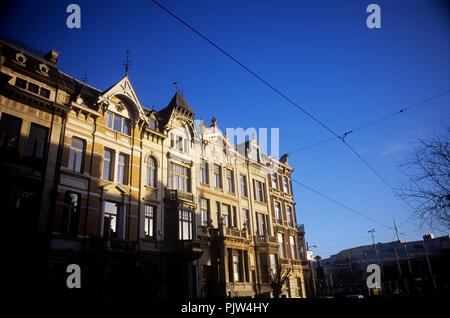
152 124
21 58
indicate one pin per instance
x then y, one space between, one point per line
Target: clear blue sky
319 53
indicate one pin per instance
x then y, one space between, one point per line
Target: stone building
141 199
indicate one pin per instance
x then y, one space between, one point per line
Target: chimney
52 56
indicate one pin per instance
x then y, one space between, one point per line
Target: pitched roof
180 101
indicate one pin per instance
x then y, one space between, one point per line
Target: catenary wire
341 204
401 111
278 92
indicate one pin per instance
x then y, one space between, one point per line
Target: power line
341 204
401 111
246 68
275 90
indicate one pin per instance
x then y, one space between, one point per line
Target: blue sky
319 53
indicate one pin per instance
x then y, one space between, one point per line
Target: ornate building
145 199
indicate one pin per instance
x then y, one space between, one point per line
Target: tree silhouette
427 187
277 277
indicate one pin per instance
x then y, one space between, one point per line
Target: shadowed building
145 201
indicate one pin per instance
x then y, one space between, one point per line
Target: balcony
242 234
265 239
178 195
301 228
189 249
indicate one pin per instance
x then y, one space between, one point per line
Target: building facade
141 199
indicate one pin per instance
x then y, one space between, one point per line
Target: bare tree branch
427 187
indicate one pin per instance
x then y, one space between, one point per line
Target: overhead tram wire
275 90
342 204
401 111
246 68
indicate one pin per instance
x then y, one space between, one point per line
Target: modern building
414 268
142 200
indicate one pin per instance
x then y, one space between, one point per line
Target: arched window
151 171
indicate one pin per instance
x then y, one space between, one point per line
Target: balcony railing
265 239
171 194
235 233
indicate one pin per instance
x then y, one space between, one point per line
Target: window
204 172
299 287
274 181
108 164
76 154
21 83
179 177
237 265
118 123
244 192
246 219
278 213
71 213
293 247
263 267
235 222
285 185
179 143
9 132
184 225
109 119
273 263
281 246
37 140
255 154
149 221
151 171
44 92
262 224
152 124
122 169
259 191
33 88
289 216
226 215
217 176
230 181
111 221
204 211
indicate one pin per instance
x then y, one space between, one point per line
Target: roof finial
178 90
127 63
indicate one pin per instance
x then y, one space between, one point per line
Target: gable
123 97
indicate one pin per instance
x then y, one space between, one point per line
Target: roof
180 101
